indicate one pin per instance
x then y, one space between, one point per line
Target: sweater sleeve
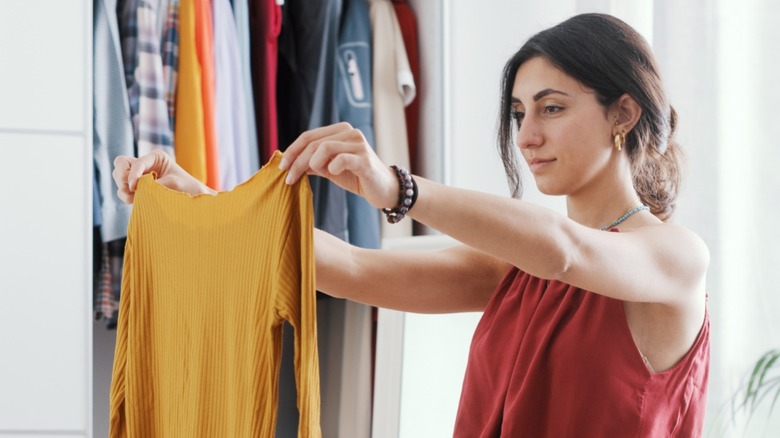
296 303
117 425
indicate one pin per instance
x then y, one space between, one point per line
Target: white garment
162 15
393 88
241 12
231 123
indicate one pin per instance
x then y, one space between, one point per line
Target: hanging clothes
354 98
112 136
190 132
265 25
306 83
97 218
127 19
108 282
169 29
353 95
204 42
100 311
393 89
144 75
231 123
408 25
241 11
163 8
112 130
200 325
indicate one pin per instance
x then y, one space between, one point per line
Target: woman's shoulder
677 235
682 247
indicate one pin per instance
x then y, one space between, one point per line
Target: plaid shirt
170 57
144 75
127 19
108 282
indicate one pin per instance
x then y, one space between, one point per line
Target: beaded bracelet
407 195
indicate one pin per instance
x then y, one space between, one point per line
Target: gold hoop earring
620 139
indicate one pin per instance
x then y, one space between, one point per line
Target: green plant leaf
773 384
763 383
756 381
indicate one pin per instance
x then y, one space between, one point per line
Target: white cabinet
45 46
45 218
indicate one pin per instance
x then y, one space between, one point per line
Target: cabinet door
45 218
45 57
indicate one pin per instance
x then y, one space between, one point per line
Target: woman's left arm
655 264
661 263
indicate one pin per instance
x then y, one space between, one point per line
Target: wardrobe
54 369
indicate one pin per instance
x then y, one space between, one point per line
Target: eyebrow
541 94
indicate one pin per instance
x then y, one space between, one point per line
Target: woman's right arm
457 279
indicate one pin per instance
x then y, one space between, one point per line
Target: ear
625 112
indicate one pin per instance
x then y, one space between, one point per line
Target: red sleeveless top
557 361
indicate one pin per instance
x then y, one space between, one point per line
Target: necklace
624 217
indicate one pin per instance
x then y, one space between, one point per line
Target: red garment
557 361
408 25
265 24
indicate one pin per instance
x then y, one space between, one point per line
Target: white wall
45 218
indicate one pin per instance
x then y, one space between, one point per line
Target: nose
529 135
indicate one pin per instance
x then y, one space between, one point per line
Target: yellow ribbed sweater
208 282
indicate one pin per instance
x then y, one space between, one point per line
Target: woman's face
565 134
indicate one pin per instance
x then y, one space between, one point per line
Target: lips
537 164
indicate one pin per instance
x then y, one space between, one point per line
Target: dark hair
608 56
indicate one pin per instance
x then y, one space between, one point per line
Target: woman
594 323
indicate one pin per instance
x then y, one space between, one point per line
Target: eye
552 109
517 116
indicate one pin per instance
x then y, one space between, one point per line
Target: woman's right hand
127 171
341 154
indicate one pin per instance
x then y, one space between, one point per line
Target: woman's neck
601 206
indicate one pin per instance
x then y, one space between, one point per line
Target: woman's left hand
341 154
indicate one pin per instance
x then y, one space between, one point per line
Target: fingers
347 154
299 164
373 180
122 165
296 157
137 169
308 137
127 171
342 163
